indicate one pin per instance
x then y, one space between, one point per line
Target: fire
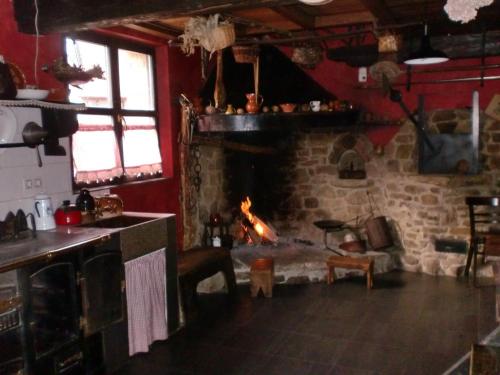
259 229
245 208
256 225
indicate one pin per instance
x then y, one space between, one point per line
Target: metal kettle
44 215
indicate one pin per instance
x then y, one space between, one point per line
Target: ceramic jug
253 103
44 218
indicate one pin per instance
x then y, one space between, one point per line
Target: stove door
102 288
53 312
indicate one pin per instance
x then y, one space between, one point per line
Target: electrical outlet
37 182
27 184
362 74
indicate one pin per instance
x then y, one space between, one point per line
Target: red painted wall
19 49
341 80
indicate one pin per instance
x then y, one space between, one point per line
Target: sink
139 234
122 221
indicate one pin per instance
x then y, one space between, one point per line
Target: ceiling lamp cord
37 33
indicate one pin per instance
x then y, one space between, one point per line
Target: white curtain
146 301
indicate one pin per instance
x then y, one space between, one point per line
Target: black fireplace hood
281 81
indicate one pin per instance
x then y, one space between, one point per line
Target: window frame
115 111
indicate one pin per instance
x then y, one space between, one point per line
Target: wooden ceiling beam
64 15
296 16
344 19
380 11
160 27
151 29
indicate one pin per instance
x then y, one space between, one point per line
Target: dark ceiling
275 19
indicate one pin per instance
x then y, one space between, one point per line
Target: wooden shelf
342 121
43 104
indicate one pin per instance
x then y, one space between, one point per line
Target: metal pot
68 214
34 135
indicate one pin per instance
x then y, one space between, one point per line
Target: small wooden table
361 263
262 277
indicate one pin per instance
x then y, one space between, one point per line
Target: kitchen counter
18 253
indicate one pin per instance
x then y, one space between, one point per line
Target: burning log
256 229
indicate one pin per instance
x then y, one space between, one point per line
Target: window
117 137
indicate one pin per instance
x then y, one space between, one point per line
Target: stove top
15 227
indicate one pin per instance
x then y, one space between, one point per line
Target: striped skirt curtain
146 301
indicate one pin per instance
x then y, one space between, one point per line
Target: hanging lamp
315 2
426 55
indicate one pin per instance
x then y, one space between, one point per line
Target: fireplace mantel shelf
342 121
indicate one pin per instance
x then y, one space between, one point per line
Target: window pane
136 80
96 93
141 153
95 150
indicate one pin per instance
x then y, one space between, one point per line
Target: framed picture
493 109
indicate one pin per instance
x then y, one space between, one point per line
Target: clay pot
253 103
288 107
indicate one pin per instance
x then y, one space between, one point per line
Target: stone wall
420 208
209 199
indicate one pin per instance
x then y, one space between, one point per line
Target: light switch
362 74
37 182
27 184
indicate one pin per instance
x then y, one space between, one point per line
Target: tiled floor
409 324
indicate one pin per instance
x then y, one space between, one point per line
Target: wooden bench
362 263
262 277
195 265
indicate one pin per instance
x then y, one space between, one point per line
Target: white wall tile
17 164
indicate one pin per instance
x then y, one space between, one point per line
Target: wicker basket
245 54
223 36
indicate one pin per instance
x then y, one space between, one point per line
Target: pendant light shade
426 55
315 2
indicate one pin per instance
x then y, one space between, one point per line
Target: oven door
53 311
102 287
11 343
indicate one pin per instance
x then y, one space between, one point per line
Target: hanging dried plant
208 33
72 74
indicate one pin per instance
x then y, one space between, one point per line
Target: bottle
8 88
85 201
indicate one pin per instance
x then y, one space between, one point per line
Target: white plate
32 94
8 126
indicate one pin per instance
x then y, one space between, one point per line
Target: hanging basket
307 56
388 68
222 36
246 54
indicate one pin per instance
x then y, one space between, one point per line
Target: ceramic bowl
32 94
288 107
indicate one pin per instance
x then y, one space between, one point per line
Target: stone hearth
295 263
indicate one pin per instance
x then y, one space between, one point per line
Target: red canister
68 214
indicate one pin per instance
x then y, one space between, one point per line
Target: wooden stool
262 277
195 265
364 263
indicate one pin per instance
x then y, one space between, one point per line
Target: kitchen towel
146 301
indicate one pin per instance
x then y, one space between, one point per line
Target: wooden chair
484 216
